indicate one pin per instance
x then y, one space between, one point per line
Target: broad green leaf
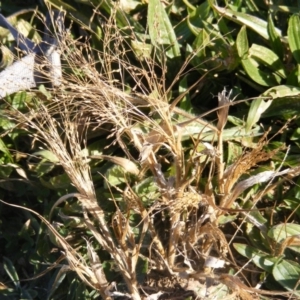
128 165
275 41
196 17
6 123
293 36
293 76
292 203
224 219
142 50
161 30
114 176
261 77
286 273
7 57
282 91
147 190
59 182
45 92
236 121
282 231
257 107
20 100
261 259
284 107
47 155
256 24
242 43
183 32
256 236
235 133
129 5
255 217
5 150
226 32
200 43
41 168
249 65
234 151
268 58
201 12
23 27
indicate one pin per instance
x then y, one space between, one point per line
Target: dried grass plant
179 233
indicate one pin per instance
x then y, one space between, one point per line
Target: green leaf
200 43
47 155
286 101
282 231
293 36
147 190
250 66
114 176
11 271
257 107
234 133
252 22
259 76
275 41
282 91
268 58
294 76
4 149
160 29
196 17
286 273
45 92
260 259
242 43
224 219
234 151
142 50
20 100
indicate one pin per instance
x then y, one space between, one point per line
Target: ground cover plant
166 164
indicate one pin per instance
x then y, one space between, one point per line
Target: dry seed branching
182 221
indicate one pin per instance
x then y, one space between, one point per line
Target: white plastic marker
24 74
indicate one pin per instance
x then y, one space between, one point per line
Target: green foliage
179 55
